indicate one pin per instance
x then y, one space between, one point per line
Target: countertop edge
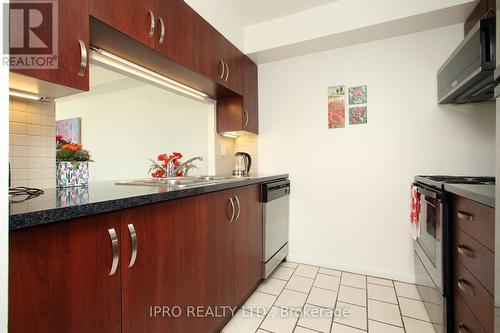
44 217
472 195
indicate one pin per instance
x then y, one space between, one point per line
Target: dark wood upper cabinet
135 18
240 113
247 243
175 31
250 96
154 277
73 43
216 57
59 277
484 9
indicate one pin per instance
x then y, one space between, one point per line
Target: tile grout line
399 306
336 300
367 317
307 297
273 305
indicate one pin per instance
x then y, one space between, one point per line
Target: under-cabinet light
26 95
110 59
231 135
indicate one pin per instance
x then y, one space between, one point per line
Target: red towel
415 212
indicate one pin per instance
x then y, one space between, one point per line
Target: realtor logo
32 34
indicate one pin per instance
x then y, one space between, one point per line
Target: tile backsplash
32 143
224 161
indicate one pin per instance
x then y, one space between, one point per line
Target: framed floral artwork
69 129
358 115
336 107
358 95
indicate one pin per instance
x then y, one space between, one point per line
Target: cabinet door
208 258
250 96
153 280
176 23
247 242
135 18
208 58
59 277
234 66
73 27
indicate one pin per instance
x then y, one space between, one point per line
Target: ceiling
256 11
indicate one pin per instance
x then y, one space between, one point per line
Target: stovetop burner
439 181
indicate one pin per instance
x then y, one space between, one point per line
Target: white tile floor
310 299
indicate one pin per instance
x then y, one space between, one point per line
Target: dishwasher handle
275 190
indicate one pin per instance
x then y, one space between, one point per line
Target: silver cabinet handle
239 208
115 250
151 24
133 240
227 72
246 117
462 328
465 216
464 286
221 62
83 58
162 31
465 251
232 207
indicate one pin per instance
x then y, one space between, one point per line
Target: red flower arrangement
160 168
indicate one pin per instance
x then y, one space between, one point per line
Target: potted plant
72 164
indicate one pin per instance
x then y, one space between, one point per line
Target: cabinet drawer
476 296
476 258
475 219
464 319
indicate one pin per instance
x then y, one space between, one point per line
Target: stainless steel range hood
467 75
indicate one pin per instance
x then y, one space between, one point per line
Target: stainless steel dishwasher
276 202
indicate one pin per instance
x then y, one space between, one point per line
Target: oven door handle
428 193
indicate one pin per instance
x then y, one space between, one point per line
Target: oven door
429 246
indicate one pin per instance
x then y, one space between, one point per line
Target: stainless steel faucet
171 171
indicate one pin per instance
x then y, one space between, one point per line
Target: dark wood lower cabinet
247 243
152 284
208 260
184 266
59 277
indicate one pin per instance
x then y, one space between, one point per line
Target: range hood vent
467 75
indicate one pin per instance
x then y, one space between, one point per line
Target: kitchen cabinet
240 113
208 258
177 26
217 58
59 277
247 242
473 230
73 47
151 256
135 18
112 272
484 9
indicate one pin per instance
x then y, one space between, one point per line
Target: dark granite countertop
484 194
63 204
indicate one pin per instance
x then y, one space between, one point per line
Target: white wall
123 129
350 187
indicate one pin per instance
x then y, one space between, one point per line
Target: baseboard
409 278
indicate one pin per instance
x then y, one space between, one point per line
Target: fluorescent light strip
26 95
113 60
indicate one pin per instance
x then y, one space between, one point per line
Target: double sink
182 182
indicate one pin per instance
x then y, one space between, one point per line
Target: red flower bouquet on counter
169 166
